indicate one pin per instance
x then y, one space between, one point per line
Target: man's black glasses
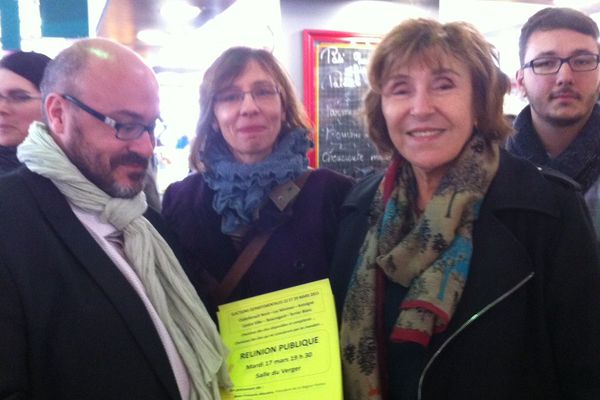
551 65
124 131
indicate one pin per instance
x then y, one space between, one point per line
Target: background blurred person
151 185
253 188
463 272
559 76
20 101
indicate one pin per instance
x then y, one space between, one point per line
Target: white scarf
171 293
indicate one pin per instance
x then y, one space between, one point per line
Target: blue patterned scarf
429 254
241 189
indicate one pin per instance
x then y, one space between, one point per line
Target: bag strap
247 256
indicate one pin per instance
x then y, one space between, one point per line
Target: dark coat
71 325
8 159
528 323
299 251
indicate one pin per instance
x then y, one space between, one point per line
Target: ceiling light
153 37
178 11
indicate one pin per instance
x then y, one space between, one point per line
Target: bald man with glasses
560 128
94 304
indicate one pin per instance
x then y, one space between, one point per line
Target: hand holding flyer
284 344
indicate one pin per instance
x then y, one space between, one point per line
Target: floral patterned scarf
429 254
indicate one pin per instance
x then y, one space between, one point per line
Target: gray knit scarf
172 295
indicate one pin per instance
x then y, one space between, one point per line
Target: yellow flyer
283 345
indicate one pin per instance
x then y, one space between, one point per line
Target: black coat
299 251
71 325
8 159
528 323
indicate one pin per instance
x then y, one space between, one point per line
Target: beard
562 122
100 171
546 112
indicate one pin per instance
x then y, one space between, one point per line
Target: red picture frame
313 41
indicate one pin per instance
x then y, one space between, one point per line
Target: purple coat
299 251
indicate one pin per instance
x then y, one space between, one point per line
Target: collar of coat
580 160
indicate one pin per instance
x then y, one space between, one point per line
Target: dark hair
223 71
431 41
552 18
28 64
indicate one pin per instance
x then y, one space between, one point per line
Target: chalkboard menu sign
335 83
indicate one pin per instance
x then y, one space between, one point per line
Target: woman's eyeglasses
263 96
18 97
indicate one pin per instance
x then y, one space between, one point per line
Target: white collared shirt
99 230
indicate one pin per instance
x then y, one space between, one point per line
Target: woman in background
253 182
20 101
477 275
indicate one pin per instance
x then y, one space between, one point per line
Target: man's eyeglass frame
562 61
117 126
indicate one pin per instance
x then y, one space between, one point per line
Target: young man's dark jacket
528 323
580 160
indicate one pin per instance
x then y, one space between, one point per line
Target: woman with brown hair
475 275
254 189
